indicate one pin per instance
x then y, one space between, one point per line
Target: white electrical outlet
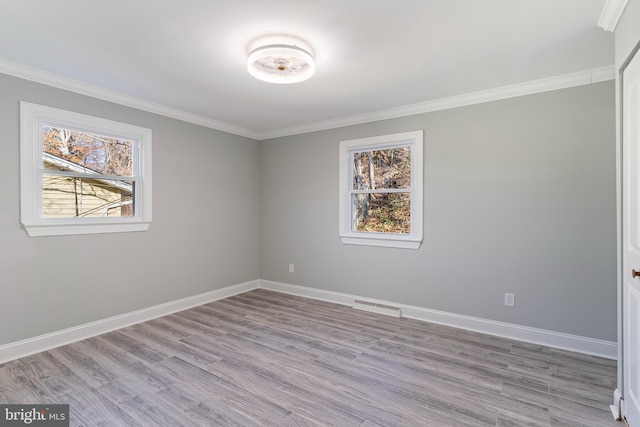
291 269
509 299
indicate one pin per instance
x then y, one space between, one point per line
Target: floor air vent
376 308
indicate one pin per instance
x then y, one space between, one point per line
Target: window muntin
82 174
381 190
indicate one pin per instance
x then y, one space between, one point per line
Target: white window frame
393 240
33 118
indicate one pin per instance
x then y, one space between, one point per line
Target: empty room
331 213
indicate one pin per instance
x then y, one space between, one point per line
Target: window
82 174
381 190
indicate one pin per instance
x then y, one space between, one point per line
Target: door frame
617 408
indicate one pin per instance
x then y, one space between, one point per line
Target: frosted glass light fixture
281 63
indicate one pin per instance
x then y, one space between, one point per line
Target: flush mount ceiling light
281 63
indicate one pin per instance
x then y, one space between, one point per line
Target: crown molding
536 86
611 14
61 82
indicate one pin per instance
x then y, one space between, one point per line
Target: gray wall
519 197
203 236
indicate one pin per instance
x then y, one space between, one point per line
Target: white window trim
391 240
32 119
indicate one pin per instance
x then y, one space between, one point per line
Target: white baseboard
314 293
585 345
617 409
51 340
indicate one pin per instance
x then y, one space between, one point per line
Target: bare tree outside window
382 183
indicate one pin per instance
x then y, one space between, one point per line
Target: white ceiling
371 55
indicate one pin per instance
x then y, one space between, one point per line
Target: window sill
39 230
385 242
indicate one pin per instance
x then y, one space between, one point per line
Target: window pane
389 168
68 197
78 151
382 212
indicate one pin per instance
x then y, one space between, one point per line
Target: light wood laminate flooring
269 359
